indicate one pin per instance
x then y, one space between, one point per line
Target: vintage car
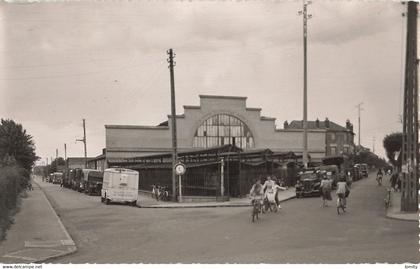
332 173
364 168
308 184
356 173
92 181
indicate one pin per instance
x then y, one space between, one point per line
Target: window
333 150
223 129
332 136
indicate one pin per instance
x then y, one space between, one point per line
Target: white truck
120 185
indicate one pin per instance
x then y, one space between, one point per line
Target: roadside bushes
13 180
17 156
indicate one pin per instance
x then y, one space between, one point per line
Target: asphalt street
302 232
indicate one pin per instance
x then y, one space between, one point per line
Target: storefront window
222 130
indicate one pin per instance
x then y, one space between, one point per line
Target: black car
308 184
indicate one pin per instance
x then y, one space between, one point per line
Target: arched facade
223 129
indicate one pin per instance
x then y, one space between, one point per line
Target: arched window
222 130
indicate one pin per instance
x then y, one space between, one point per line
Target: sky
105 61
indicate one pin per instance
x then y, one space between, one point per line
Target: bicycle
163 194
341 203
379 179
256 208
270 203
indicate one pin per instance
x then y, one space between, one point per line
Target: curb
205 206
392 216
72 248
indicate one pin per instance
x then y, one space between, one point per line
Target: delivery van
120 185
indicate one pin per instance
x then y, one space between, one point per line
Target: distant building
77 162
217 121
338 139
98 162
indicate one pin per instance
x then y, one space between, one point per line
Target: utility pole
84 141
56 154
410 153
306 16
65 151
359 108
171 62
65 157
373 145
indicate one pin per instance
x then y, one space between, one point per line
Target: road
303 232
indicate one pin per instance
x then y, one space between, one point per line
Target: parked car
57 177
357 173
76 179
364 168
308 184
92 181
332 172
120 185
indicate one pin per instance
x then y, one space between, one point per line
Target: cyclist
257 192
343 191
379 176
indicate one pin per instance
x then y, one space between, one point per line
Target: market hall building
217 121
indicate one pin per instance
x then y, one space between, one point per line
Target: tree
53 167
392 144
16 144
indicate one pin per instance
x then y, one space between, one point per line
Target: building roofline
267 118
301 130
136 127
177 116
253 108
191 107
223 97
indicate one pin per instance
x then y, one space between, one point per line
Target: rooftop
298 124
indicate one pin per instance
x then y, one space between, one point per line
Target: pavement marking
43 244
28 254
68 243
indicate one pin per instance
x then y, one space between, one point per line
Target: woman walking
325 190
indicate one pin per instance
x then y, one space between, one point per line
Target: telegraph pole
65 151
359 108
56 154
65 156
373 144
170 60
410 153
306 16
84 141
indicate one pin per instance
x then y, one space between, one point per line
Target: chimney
327 123
317 123
348 125
285 125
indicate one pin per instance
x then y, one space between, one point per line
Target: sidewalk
394 211
148 202
37 234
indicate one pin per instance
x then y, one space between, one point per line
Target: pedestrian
276 188
326 185
399 182
393 180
